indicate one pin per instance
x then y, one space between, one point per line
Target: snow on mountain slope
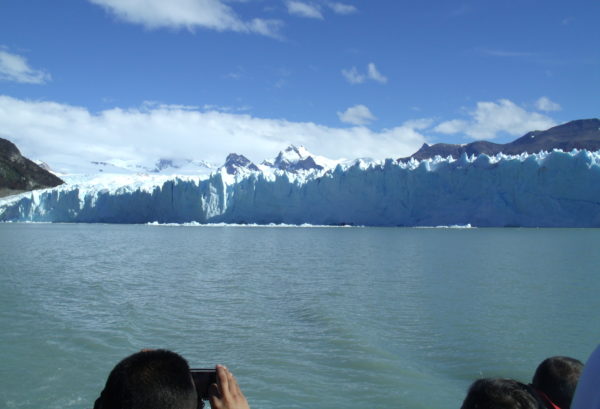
163 166
546 189
182 167
297 159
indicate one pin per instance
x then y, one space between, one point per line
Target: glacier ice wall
547 189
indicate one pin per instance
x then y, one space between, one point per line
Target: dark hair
496 393
557 377
152 379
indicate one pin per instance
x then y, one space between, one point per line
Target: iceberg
547 189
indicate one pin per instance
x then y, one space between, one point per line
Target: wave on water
279 225
454 226
28 222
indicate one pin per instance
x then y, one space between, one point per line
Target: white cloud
546 104
353 76
301 9
211 14
14 67
374 74
490 118
356 115
419 124
507 53
452 126
341 8
66 136
268 28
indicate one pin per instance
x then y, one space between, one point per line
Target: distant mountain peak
301 151
164 164
293 153
578 134
234 163
294 159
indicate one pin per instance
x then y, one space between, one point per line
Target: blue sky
143 79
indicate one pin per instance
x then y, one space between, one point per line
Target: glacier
547 189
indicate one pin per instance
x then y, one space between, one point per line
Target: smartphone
203 378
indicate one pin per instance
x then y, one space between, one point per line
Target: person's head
557 378
499 394
151 379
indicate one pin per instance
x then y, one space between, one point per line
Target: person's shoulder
587 394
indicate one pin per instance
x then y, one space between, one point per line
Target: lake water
305 317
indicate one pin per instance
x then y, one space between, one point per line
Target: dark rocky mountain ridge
579 134
19 174
235 162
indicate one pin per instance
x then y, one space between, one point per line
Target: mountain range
18 174
547 189
579 134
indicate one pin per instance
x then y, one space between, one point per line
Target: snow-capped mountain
297 159
292 159
182 167
163 166
236 163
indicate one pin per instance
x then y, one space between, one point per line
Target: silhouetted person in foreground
587 394
555 381
160 379
496 393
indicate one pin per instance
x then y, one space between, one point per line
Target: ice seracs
555 188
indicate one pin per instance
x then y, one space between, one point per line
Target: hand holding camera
220 387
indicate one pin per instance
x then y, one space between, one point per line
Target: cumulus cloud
67 137
15 68
353 76
546 104
374 74
356 115
490 118
452 126
302 9
314 10
341 8
419 124
210 14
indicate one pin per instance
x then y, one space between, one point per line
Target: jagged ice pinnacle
546 189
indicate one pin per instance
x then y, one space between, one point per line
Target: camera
203 378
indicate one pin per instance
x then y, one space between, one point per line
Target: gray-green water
305 317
